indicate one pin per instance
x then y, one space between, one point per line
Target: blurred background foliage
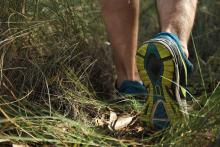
206 37
50 25
55 53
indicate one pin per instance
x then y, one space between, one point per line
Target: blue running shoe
163 67
132 88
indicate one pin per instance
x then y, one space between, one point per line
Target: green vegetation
51 55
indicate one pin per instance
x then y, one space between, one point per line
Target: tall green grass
52 53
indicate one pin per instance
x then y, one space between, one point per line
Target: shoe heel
155 66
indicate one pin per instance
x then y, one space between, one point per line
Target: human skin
121 18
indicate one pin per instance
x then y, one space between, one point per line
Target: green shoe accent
163 70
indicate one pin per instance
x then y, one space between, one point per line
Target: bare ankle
121 77
185 50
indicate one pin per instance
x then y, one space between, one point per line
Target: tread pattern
162 92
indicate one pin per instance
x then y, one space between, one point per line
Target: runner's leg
177 16
121 19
